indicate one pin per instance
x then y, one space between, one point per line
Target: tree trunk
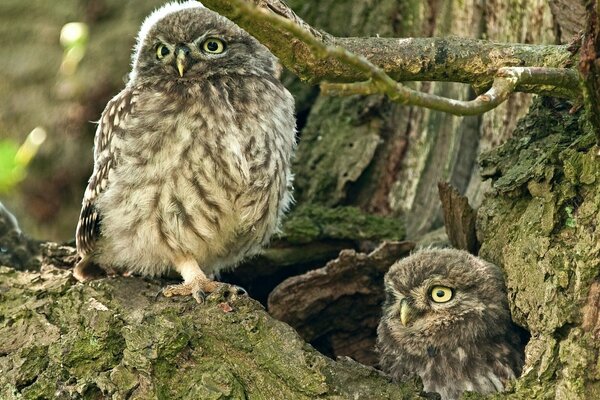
393 156
119 338
539 223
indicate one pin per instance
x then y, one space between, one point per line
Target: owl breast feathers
192 158
446 319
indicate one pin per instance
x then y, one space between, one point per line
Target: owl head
443 298
183 42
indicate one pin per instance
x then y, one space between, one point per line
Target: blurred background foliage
60 62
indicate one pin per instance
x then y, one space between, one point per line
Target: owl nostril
182 48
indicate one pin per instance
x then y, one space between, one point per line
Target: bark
311 236
589 65
317 303
539 223
120 338
411 59
387 149
569 19
459 219
114 337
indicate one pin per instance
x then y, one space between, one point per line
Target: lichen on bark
119 338
539 225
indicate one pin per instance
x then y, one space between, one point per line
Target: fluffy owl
192 158
446 319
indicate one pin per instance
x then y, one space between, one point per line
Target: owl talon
240 291
199 296
228 292
198 288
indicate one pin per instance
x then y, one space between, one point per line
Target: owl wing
115 114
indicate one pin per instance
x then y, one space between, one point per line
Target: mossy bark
120 338
540 224
116 338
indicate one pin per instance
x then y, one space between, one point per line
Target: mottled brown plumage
446 319
192 158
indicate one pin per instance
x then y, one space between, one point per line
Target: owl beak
180 65
182 53
405 312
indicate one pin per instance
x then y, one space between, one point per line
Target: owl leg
195 282
87 270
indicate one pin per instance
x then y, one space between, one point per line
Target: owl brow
437 279
393 292
159 40
213 33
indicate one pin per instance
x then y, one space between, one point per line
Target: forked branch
336 63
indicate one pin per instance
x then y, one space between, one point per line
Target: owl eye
441 294
213 46
162 51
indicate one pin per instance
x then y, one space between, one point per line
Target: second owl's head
186 41
444 297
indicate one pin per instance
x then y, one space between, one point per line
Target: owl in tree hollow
446 319
192 158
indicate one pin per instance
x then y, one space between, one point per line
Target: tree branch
320 58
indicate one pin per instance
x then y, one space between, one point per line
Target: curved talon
240 291
199 288
199 296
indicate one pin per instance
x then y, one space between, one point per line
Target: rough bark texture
459 219
119 338
569 19
412 59
311 236
114 337
589 65
393 156
317 303
540 223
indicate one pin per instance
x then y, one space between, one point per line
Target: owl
446 319
192 158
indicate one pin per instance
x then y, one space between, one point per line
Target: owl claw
240 291
200 296
201 288
228 291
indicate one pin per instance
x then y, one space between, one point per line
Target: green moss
89 354
537 226
313 222
121 341
349 125
533 152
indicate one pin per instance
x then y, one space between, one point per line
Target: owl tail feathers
87 270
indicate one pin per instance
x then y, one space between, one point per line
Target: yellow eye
162 51
213 46
441 294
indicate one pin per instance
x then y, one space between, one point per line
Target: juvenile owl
192 158
446 319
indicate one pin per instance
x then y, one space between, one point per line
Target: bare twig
315 49
506 81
